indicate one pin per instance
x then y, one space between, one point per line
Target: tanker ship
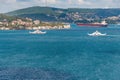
102 24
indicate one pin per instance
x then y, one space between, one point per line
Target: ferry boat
102 24
97 33
37 32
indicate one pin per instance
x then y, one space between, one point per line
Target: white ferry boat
37 32
97 33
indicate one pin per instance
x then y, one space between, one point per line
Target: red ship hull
92 25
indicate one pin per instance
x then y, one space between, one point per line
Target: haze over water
60 54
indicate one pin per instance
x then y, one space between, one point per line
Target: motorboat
37 32
97 33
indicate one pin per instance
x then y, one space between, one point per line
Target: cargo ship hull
92 25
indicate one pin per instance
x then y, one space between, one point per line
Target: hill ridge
66 15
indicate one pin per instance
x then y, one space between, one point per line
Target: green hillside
36 10
66 15
6 17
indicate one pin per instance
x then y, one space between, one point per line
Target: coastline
38 28
29 24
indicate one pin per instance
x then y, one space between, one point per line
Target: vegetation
67 15
35 10
5 17
11 22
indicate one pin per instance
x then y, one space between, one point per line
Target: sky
10 5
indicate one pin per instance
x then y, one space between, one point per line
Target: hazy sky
9 5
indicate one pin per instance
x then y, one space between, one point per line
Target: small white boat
97 33
37 32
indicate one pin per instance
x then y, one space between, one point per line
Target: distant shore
29 24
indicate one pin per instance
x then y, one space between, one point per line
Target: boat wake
113 35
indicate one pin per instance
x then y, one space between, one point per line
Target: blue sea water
60 54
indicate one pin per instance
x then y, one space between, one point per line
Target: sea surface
68 54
